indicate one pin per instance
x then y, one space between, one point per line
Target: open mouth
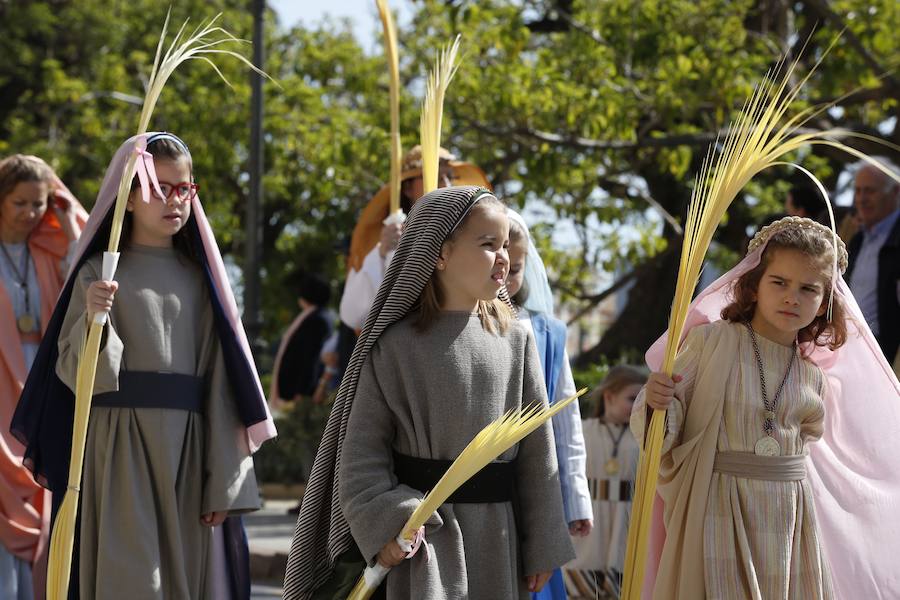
499 277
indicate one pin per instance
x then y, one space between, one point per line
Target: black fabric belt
494 483
146 389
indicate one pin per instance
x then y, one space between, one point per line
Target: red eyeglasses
184 191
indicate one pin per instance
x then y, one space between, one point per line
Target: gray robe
427 395
150 473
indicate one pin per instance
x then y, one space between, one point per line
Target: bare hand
214 519
61 200
581 527
537 582
391 555
390 237
660 390
99 297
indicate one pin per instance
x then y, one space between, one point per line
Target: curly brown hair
813 244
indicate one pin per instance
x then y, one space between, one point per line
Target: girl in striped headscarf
439 358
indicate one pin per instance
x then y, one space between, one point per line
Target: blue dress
550 338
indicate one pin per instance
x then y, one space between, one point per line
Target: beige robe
727 536
150 473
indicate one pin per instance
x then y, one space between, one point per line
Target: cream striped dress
760 539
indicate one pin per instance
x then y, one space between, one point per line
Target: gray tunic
427 395
150 473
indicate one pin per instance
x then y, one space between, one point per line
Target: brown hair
20 167
819 249
495 314
618 378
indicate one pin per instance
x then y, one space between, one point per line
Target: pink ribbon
417 543
145 170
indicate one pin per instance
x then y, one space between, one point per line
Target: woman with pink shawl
40 221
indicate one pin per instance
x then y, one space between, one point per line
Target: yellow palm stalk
205 40
445 67
390 51
488 444
760 135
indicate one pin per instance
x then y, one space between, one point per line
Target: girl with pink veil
779 475
177 407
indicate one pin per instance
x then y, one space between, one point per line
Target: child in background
612 458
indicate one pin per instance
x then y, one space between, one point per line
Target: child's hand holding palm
660 390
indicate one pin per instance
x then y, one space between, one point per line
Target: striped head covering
322 534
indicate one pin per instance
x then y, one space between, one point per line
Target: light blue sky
362 14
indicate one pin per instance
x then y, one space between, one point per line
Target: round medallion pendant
767 446
612 467
26 323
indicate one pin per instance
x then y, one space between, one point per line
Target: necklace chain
769 424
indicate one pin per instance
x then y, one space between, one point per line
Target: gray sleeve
543 532
73 336
374 504
229 477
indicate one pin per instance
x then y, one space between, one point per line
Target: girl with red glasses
177 407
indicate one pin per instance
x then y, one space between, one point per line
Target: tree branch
824 10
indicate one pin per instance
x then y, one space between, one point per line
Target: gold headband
763 235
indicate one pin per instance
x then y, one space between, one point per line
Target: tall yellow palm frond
758 138
445 67
205 41
488 444
390 51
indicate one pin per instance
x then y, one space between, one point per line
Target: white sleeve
570 449
360 290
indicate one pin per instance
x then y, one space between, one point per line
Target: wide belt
145 389
767 468
494 483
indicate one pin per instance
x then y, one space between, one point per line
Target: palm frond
445 67
390 52
489 443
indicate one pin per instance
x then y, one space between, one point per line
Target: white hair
889 182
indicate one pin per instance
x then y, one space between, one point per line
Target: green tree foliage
603 110
599 109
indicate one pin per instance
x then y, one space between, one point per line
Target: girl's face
155 222
22 209
518 251
473 266
617 405
789 296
